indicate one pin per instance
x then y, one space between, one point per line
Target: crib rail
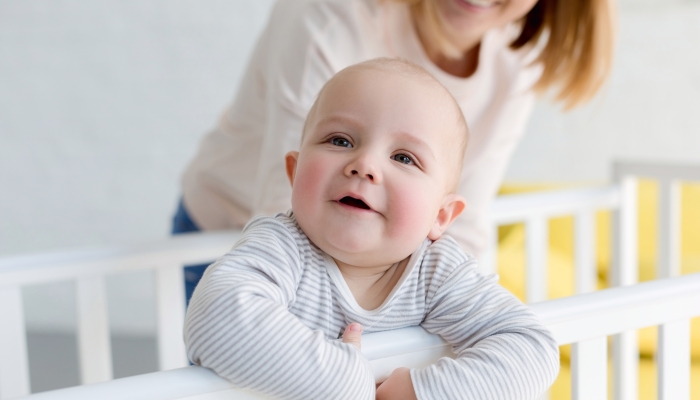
176 250
89 269
625 354
535 210
584 319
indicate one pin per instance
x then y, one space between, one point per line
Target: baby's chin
361 245
367 255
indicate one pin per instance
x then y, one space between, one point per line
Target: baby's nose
356 172
365 165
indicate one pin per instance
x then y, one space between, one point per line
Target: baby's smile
355 206
354 203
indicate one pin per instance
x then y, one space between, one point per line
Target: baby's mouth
353 202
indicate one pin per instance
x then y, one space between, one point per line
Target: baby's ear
291 163
452 206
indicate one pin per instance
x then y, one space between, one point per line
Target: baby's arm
503 351
239 326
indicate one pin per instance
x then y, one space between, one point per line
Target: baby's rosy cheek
308 181
412 212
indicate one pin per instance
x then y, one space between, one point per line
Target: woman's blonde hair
578 50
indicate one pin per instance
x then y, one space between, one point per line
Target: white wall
647 111
102 104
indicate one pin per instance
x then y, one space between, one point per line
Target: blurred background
102 104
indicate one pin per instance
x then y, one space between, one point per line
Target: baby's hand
397 386
353 335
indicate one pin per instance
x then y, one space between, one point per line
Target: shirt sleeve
502 350
238 325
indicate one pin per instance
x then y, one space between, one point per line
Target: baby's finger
353 335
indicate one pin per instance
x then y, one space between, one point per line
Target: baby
372 193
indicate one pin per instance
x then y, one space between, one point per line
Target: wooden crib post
668 234
589 358
625 272
14 366
586 274
170 295
94 345
589 369
488 262
537 247
673 353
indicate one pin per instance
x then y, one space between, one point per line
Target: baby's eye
338 141
402 158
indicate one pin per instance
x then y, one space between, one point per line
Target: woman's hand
398 386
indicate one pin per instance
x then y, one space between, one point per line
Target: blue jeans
182 223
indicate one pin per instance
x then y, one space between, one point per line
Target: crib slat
626 272
625 351
94 347
488 261
536 244
586 356
669 232
586 272
589 369
673 354
14 365
170 295
673 361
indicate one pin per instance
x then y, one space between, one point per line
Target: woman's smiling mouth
480 3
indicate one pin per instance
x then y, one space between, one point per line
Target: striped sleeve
503 351
238 325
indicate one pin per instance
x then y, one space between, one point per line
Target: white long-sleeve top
266 316
238 171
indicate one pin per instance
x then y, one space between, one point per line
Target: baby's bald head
456 131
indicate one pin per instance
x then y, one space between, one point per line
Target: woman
494 56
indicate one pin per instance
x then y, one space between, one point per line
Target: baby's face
374 169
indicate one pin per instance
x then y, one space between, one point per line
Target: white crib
584 320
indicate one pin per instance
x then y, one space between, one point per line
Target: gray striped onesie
266 316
